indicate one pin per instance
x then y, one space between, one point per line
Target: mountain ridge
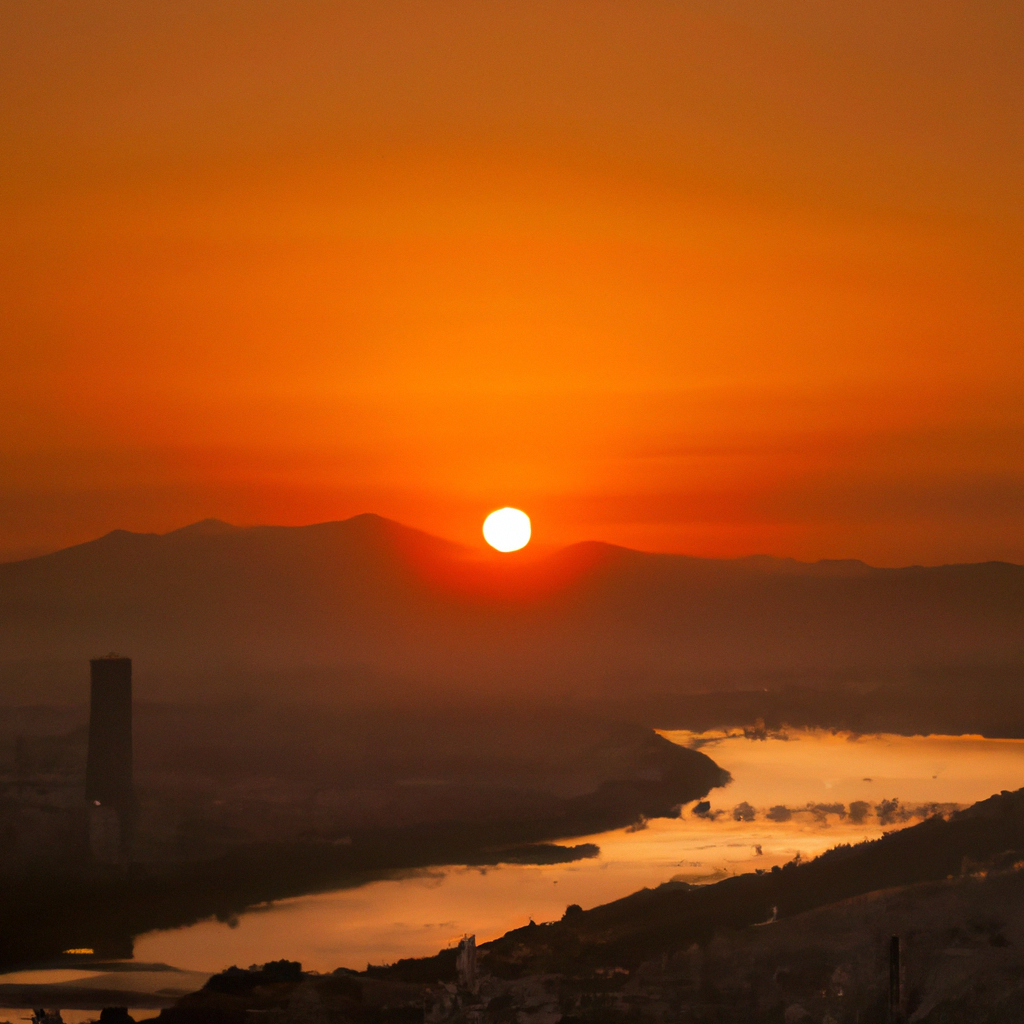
213 526
369 592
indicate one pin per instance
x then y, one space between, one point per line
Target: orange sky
699 277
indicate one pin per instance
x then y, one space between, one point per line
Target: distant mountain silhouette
370 594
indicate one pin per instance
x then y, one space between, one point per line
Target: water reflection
791 795
17 1014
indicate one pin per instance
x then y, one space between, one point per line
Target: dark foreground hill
808 942
312 607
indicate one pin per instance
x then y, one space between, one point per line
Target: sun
508 529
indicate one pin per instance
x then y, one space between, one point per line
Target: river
791 795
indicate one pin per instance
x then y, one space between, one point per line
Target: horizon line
538 548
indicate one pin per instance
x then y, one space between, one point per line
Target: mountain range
368 595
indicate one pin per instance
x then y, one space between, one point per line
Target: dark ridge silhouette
212 602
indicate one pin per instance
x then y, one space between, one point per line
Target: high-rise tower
108 773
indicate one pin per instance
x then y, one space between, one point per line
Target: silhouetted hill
808 941
370 595
986 837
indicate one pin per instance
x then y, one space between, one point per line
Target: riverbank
43 914
807 941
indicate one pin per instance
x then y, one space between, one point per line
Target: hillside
806 942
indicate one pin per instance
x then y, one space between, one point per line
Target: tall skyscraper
109 788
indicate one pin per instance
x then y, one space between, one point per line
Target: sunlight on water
802 765
15 1015
791 795
45 977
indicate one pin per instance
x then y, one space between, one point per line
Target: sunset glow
760 300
